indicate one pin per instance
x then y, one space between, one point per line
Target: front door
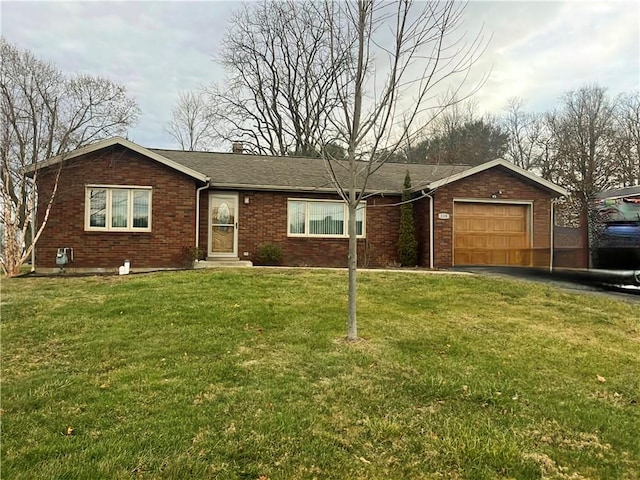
223 225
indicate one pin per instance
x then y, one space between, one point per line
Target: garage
491 234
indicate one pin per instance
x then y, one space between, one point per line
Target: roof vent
237 147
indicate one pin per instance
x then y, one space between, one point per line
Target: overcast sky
538 50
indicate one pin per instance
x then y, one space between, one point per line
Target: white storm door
223 225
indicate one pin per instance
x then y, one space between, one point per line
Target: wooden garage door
491 234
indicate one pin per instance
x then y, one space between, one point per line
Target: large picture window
118 209
322 218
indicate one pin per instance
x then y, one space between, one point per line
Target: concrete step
222 263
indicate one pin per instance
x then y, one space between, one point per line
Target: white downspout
551 235
431 232
198 190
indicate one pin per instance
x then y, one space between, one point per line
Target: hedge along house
118 201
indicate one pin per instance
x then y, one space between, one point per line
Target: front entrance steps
222 262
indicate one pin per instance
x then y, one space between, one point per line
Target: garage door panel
491 234
500 225
497 211
464 224
485 256
506 225
518 242
471 241
515 211
495 242
478 225
464 208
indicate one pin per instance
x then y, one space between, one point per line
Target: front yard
245 375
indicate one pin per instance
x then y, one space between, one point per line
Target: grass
245 375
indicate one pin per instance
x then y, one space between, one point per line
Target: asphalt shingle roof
299 173
620 192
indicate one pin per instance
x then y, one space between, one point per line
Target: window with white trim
119 209
322 218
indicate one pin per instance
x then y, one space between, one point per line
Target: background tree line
280 97
588 143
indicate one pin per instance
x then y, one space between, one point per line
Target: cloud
574 44
157 49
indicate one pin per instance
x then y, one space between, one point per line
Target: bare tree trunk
352 324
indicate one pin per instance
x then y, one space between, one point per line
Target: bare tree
191 123
629 139
584 132
279 91
44 113
529 144
379 109
453 116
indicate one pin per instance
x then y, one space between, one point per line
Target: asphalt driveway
560 279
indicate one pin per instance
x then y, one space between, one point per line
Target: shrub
269 254
191 254
407 243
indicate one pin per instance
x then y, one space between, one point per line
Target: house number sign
443 216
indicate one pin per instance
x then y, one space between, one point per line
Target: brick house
116 200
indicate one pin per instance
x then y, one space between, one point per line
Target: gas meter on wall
64 256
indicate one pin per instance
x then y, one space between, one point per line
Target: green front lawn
245 375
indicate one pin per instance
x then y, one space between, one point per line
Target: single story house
118 201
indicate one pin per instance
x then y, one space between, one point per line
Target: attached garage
492 233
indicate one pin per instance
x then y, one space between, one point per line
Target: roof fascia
94 147
288 188
498 162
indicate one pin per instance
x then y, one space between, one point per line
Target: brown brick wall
480 187
264 219
173 209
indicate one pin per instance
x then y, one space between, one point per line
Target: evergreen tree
407 243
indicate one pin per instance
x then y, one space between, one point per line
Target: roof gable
500 163
94 147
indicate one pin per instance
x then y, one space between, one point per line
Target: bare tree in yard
44 113
192 122
399 56
584 132
279 89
